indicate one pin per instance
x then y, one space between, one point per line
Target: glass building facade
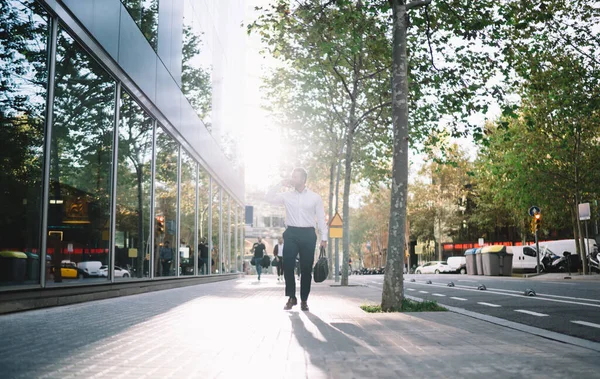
110 172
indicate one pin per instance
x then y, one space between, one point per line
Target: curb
595 346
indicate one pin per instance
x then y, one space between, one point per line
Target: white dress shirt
302 209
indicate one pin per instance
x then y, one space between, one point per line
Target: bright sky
261 142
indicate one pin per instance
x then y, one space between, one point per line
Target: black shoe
290 303
304 306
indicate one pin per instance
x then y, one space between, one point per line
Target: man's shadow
333 339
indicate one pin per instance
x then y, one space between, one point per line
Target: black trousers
298 242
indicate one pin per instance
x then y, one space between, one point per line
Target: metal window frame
152 248
51 46
196 220
210 242
177 241
221 250
113 192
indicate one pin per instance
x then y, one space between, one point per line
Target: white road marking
547 295
531 313
438 294
458 298
411 289
470 281
423 292
489 304
586 324
465 288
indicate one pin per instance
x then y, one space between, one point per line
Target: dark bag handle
322 253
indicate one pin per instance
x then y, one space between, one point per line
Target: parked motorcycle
593 261
554 263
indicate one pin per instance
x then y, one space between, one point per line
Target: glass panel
165 193
145 15
203 204
80 164
23 81
196 81
188 214
134 186
225 234
216 222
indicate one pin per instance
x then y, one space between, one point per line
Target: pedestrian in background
277 259
303 209
259 252
166 257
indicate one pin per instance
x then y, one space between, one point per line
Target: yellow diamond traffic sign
335 226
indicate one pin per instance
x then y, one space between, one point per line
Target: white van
525 257
458 264
90 268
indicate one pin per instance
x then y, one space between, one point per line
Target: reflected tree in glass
216 222
203 206
145 15
81 153
165 193
188 213
134 185
195 79
23 83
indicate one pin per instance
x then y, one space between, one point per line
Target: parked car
434 267
90 268
458 264
119 272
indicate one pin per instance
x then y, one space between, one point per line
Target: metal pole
587 240
177 242
337 260
537 254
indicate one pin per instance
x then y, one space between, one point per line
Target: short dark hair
302 171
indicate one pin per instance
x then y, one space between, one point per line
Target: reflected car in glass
119 272
69 270
434 267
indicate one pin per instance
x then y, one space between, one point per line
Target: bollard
481 287
451 284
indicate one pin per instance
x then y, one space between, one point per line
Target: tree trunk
393 287
346 203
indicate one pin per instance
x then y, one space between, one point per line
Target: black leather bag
321 269
266 261
253 261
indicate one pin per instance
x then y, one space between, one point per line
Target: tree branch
417 3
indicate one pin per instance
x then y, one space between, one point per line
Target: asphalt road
567 307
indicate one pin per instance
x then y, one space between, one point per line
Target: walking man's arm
274 195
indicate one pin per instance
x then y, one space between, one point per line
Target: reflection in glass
23 81
80 163
165 197
216 223
134 185
241 235
187 208
196 81
225 234
145 15
203 238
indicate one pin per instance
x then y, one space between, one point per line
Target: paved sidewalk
238 329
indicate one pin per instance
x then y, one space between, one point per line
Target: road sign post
336 232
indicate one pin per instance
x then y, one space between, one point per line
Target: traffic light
160 224
537 221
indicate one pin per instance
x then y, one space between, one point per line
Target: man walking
303 209
166 257
278 258
259 252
